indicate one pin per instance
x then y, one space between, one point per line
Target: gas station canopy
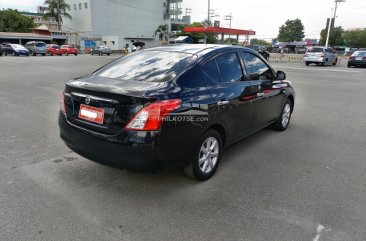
219 30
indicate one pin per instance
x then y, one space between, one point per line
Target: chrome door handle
223 102
260 94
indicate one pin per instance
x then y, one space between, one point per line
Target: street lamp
330 20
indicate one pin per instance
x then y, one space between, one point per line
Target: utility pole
330 20
188 11
208 12
229 18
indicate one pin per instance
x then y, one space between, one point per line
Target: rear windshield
40 45
359 53
148 65
315 50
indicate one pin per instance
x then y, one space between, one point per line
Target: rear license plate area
91 113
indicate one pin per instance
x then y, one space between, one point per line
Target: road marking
328 70
319 229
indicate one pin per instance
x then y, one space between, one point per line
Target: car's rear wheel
76 54
206 156
282 123
108 54
349 65
307 63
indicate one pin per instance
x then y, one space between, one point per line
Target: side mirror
281 75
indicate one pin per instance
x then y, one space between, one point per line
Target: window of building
85 5
113 42
230 68
256 68
75 7
80 6
105 42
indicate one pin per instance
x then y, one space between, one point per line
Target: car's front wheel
206 156
282 123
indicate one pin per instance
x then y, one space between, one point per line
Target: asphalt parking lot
307 183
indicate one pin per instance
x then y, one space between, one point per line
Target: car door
226 83
269 98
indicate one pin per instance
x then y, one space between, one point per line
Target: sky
263 16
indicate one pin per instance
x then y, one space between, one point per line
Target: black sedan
100 50
15 49
174 106
357 59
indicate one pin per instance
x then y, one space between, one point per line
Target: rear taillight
151 117
322 55
306 55
62 102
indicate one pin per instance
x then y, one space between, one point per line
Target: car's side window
256 68
230 68
210 73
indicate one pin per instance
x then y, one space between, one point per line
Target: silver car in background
321 56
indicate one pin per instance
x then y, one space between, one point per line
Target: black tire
108 54
279 125
349 66
194 168
76 54
307 63
43 54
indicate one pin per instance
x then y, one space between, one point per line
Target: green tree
230 41
12 21
355 38
261 42
162 32
335 37
211 38
56 9
292 30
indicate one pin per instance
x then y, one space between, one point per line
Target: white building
115 23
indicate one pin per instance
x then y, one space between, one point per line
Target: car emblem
87 100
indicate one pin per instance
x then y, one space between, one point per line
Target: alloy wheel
286 115
208 155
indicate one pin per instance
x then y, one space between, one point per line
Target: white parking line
325 69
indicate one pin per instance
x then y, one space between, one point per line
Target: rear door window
230 68
256 68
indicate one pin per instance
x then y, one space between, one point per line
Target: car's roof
192 48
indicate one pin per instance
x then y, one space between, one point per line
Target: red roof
219 30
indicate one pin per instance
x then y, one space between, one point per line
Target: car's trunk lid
118 100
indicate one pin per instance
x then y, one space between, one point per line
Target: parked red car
69 49
54 49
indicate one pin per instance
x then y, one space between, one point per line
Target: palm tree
163 32
56 9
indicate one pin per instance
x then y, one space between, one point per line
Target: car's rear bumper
133 150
